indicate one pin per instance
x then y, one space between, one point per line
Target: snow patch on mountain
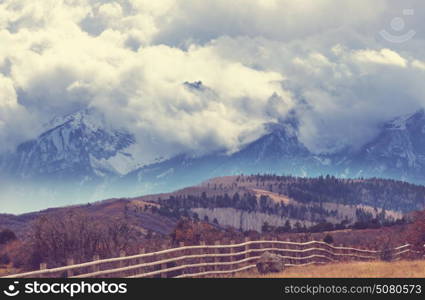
401 123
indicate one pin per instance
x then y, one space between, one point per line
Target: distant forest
310 194
176 206
380 193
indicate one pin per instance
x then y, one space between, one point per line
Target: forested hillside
249 202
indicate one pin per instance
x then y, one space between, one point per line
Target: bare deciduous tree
74 234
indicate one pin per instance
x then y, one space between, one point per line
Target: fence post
365 253
247 254
300 254
140 261
295 247
309 253
181 245
359 253
348 253
286 253
96 266
232 250
275 245
335 252
43 266
217 258
163 266
122 254
297 253
70 272
201 260
374 255
341 251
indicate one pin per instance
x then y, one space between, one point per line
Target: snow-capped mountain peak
80 145
403 122
88 117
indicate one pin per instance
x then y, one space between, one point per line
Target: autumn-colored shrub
6 236
416 232
4 259
192 232
328 239
74 234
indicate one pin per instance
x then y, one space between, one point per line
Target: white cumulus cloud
252 60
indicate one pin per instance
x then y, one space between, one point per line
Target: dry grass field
401 269
5 270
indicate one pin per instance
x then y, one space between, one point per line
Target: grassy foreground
400 269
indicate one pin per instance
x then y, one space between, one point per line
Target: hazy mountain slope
79 146
279 151
398 152
71 162
81 158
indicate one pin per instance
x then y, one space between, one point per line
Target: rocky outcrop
270 263
244 220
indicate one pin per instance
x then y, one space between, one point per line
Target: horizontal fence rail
205 260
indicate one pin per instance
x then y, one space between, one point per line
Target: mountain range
81 158
397 152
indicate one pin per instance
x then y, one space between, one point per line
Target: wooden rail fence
206 260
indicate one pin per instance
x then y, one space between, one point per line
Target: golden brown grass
6 270
400 269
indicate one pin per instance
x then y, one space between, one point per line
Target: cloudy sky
343 66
